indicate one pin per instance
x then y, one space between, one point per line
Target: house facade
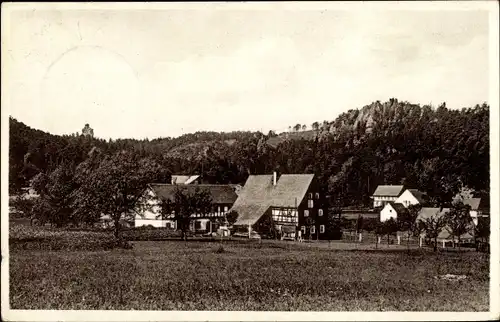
392 210
293 202
223 197
385 194
412 197
479 208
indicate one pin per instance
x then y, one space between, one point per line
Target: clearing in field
247 275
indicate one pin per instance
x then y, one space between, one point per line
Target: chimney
274 178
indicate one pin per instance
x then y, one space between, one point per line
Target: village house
412 197
479 208
406 199
292 202
223 198
392 210
385 194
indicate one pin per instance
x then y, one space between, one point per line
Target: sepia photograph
250 161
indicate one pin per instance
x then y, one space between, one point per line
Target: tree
114 186
231 217
458 221
379 230
266 226
304 127
22 205
482 231
407 221
432 226
390 228
56 193
297 127
184 205
359 224
315 126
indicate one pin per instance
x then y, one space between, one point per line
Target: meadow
248 275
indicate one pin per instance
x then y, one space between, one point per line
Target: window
321 229
310 195
320 212
313 229
306 213
310 203
317 195
225 208
303 228
218 209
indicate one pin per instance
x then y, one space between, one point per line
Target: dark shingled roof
221 194
419 195
392 191
259 194
398 207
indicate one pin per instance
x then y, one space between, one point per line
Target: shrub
149 233
44 238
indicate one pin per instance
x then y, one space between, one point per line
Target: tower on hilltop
88 131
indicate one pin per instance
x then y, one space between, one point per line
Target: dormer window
317 195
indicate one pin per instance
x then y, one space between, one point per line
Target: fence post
378 240
360 237
420 242
399 240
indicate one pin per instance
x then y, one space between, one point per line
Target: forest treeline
437 150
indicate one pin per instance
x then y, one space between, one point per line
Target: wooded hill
436 150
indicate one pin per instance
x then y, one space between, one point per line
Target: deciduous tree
184 205
113 187
458 221
432 226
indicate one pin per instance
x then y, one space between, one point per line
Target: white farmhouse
223 198
391 210
385 194
412 197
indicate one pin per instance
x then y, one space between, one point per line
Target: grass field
248 275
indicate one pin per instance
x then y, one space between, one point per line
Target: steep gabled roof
419 195
427 212
253 199
221 194
291 189
259 194
388 190
399 208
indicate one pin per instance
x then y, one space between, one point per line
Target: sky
159 73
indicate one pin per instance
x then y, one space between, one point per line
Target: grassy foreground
247 275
